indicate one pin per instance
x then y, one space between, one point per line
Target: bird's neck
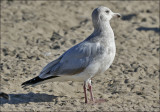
102 31
103 27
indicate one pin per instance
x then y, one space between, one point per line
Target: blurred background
34 33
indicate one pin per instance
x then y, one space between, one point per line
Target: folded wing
72 62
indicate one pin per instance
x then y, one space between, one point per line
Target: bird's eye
107 11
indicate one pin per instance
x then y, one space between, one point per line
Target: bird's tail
35 81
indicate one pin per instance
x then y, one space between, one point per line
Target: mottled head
103 14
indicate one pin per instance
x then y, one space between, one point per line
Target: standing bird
90 57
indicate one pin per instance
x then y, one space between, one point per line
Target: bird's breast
107 57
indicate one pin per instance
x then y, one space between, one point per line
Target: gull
85 60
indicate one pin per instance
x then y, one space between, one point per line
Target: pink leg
90 90
91 94
85 92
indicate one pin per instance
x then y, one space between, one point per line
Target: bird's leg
90 90
85 92
93 101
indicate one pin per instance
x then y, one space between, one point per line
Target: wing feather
73 61
76 59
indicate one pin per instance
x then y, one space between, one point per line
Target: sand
35 33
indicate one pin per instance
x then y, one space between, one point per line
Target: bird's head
102 14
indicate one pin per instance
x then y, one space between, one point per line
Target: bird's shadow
157 30
128 17
29 97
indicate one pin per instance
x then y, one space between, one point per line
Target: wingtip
35 81
31 82
25 84
5 95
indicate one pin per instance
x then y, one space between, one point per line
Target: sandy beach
36 32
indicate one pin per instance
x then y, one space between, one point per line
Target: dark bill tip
118 15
